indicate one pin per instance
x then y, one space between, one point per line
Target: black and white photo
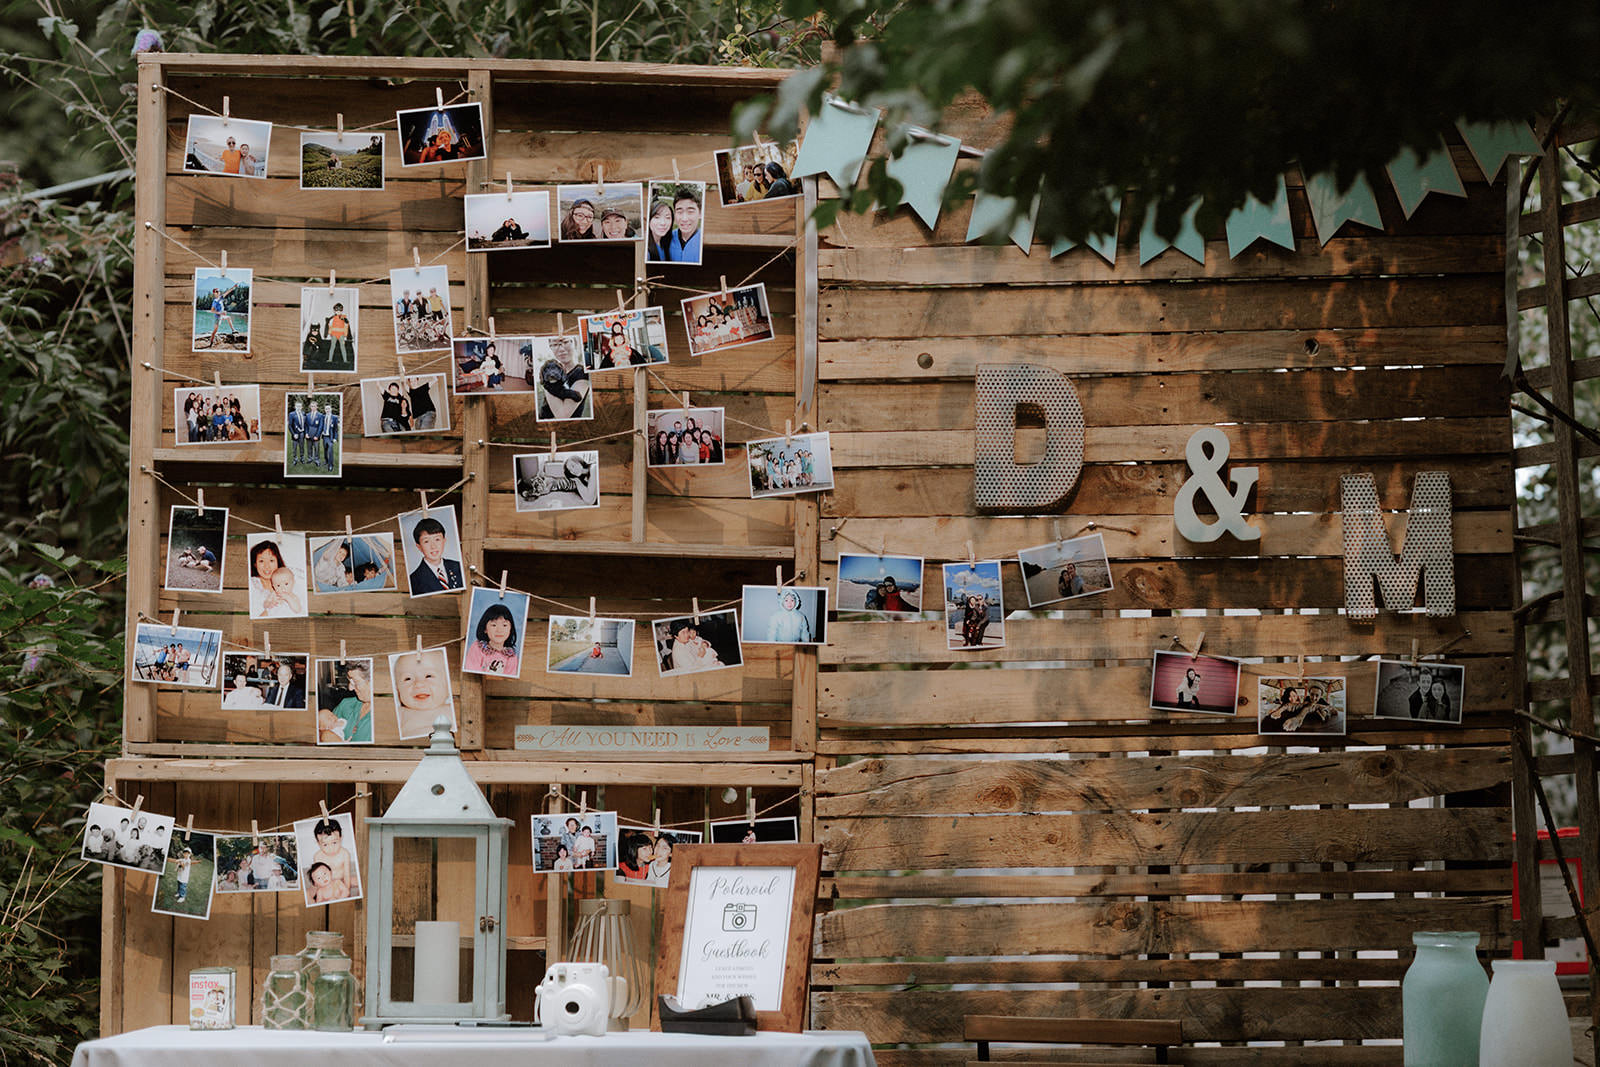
1423 691
557 481
124 837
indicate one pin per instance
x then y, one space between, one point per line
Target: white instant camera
574 998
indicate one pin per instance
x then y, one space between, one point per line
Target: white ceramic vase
1524 1019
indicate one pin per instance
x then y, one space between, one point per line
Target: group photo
684 437
615 340
718 321
420 300
784 466
312 440
125 837
756 172
211 415
176 655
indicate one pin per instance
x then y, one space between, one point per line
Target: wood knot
1147 585
1000 796
1123 916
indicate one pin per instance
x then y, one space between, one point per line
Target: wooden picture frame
806 862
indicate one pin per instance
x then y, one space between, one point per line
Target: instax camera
574 998
738 918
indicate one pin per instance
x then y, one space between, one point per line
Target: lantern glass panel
434 921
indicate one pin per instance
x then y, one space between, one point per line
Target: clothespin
622 306
750 805
255 833
342 655
552 442
883 545
419 644
188 827
224 261
491 327
174 631
310 386
686 400
402 365
788 431
224 111
600 179
322 806
1195 652
339 123
778 577
277 525
438 97
674 168
724 289
658 821
561 324
503 584
972 558
591 609
138 802
200 499
508 185
423 495
216 379
266 642
349 533
583 802
416 260
1302 665
1415 644
695 610
1055 527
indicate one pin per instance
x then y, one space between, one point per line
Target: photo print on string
675 227
123 837
578 644
974 605
233 147
744 832
313 442
419 299
581 841
617 340
252 863
496 222
613 212
694 643
217 415
562 390
685 437
344 701
421 690
330 329
332 159
644 853
1294 705
1424 691
784 466
883 585
415 403
325 851
1065 570
449 134
278 587
432 544
491 365
557 481
265 681
784 615
362 563
221 310
1182 681
497 633
196 549
184 656
718 321
184 888
753 173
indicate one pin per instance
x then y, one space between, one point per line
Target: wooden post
641 404
807 506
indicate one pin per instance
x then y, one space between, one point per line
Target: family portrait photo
449 134
184 888
226 145
330 329
221 310
499 221
975 615
344 701
361 563
432 544
583 842
1065 570
705 642
580 644
757 172
313 439
784 466
257 863
673 232
491 365
685 437
208 415
717 321
124 837
1296 705
612 212
421 691
416 403
562 390
497 627
333 159
419 298
278 586
196 539
557 481
644 855
261 680
884 585
784 615
182 655
616 340
744 832
1424 690
1181 681
325 848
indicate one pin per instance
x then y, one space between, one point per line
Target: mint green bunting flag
1253 221
836 141
1492 143
923 170
1102 245
1331 209
1188 241
1414 179
991 213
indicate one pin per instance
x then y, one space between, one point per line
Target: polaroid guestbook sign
736 935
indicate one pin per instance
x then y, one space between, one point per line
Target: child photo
497 626
313 439
785 615
784 466
644 854
974 605
257 680
262 863
1300 706
613 212
1426 691
707 642
336 160
420 300
885 585
326 853
184 888
363 563
673 230
557 481
491 365
208 415
421 691
498 221
617 340
685 437
562 390
450 134
277 575
582 842
221 310
124 837
235 147
185 655
716 321
196 539
580 644
330 329
1065 570
757 172
344 701
1180 681
745 832
416 403
432 544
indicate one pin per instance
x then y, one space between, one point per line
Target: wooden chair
1162 1034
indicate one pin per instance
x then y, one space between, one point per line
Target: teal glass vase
1442 998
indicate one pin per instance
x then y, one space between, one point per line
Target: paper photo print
326 850
614 212
313 434
784 466
491 365
278 587
182 656
974 606
196 539
884 585
644 854
785 615
265 681
674 225
421 691
450 134
123 837
264 863
208 415
562 390
557 481
496 222
744 832
415 403
221 310
1065 570
431 541
1295 705
578 644
1424 691
419 298
757 172
617 340
184 888
233 147
685 437
717 321
361 563
344 701
1180 681
575 842
691 644
330 329
497 629
332 159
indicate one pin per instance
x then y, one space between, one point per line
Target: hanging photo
184 888
277 575
757 172
718 321
491 365
421 691
183 655
1425 691
233 147
557 481
694 643
332 159
673 229
613 212
561 384
974 605
363 563
221 310
1294 705
213 415
497 627
419 298
784 466
583 842
258 680
617 340
196 540
499 221
325 851
123 837
1180 681
745 832
313 443
578 644
257 863
885 585
644 854
330 328
449 134
685 437
344 701
432 544
1065 570
785 615
416 403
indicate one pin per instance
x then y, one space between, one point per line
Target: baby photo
757 172
582 842
326 851
1424 690
562 390
333 159
745 832
497 625
258 680
1300 705
184 888
262 863
491 365
613 212
498 221
432 544
617 340
234 147
689 645
685 437
416 403
313 438
885 585
363 563
717 321
221 310
195 541
785 615
344 701
208 415
124 837
580 644
183 655
644 855
421 691
673 230
974 605
557 481
784 466
277 575
1064 570
1180 681
330 328
450 134
420 300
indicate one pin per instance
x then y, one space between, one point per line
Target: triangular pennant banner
1102 245
1253 221
1188 240
836 141
1492 143
991 213
923 170
1414 179
1331 209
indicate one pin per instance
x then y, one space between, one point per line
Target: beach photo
1065 570
884 585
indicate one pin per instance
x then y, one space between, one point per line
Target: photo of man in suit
434 573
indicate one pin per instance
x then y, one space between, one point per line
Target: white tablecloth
250 1046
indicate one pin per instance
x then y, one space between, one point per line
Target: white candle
437 963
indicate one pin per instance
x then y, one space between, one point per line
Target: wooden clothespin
255 833
552 442
310 386
972 558
224 265
402 364
1415 649
224 111
1055 528
419 644
339 124
200 499
591 609
778 576
277 525
422 494
216 379
349 533
600 179
583 802
138 802
266 643
416 260
503 575
343 655
322 806
750 806
686 400
188 827
658 821
174 631
330 283
622 305
724 289
695 610
1194 653
561 324
675 168
438 97
491 327
508 185
788 431
883 546
1302 665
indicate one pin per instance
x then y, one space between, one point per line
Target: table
250 1046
